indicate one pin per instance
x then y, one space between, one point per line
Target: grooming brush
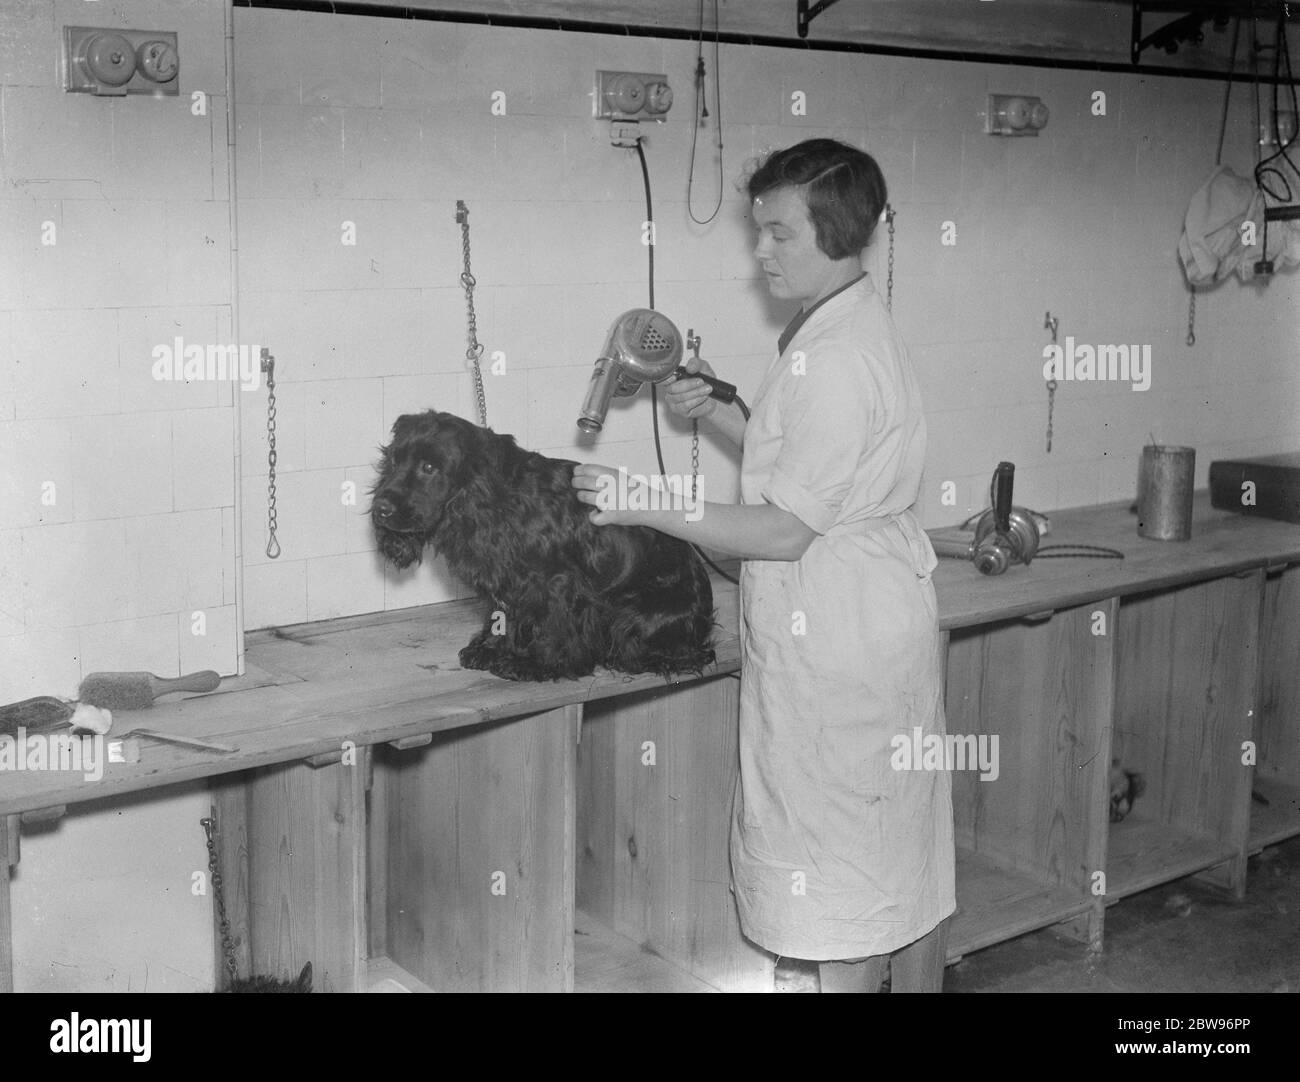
37 715
137 690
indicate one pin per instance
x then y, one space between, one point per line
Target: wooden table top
309 688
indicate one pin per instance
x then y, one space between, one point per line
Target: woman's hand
598 486
688 397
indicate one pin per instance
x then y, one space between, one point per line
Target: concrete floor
1181 937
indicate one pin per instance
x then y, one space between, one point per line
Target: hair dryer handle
1000 495
718 388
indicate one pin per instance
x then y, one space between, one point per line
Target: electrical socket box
624 133
119 62
1015 114
631 95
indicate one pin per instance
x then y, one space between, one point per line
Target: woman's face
787 249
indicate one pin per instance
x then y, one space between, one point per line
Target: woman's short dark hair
841 185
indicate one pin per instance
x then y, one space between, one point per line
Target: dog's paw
479 654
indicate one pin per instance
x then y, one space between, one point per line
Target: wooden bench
398 821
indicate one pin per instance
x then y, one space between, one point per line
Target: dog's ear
403 425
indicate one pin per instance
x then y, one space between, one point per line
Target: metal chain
474 354
214 873
889 281
1191 319
1051 324
695 460
268 366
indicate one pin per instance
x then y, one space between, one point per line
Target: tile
261 74
81 577
52 135
341 418
13 589
106 241
275 593
202 459
216 647
40 663
37 472
311 516
335 59
26 28
197 243
146 346
160 149
381 155
173 563
65 363
301 151
417 64
147 644
422 584
343 585
122 465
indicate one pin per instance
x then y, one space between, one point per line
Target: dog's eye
428 467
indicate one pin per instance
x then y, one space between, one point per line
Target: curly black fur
509 524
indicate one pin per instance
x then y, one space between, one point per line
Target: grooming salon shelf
479 822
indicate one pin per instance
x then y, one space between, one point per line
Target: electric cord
654 396
1057 552
1264 169
702 111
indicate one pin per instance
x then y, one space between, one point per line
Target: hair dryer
1004 534
643 346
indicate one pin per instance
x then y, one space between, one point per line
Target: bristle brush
137 690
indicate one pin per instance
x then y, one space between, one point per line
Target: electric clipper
1004 534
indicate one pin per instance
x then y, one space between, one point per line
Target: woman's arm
750 531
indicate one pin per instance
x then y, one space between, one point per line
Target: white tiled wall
387 123
117 492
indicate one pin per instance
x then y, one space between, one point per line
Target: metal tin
1165 492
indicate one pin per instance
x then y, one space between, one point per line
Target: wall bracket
805 13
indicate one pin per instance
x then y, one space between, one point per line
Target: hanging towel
1211 246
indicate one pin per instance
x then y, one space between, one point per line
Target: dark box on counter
1276 480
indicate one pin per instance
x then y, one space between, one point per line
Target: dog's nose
383 507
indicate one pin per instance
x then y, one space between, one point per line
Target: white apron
834 854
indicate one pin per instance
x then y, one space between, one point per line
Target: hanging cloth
1211 246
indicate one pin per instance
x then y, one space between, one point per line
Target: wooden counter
441 822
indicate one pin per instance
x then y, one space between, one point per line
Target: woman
837 859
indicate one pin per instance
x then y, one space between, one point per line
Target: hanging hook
1051 324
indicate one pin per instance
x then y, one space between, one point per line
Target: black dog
565 596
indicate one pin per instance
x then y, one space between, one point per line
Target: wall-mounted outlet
631 95
1015 114
118 62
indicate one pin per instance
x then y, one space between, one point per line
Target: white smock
835 855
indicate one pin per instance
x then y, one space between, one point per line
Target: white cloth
1212 244
834 854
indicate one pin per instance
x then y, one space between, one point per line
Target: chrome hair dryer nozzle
600 390
643 346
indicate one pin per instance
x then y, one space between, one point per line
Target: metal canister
1165 492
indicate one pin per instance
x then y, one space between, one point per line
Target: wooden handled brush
137 690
